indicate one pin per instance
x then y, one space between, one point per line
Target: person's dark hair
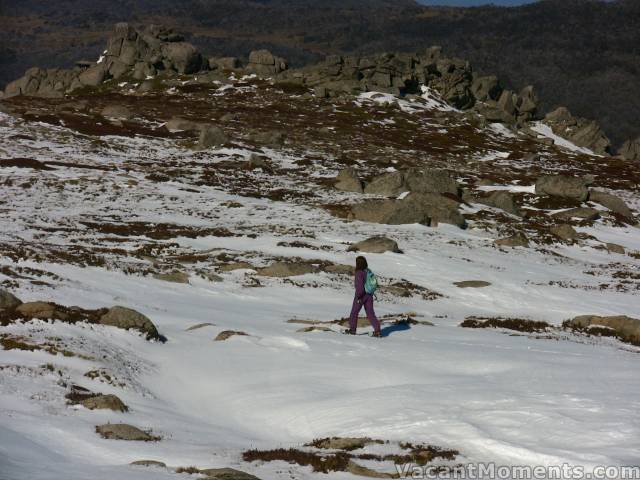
361 263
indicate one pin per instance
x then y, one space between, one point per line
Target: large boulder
8 301
612 202
630 150
562 186
127 318
564 232
122 431
502 200
376 245
389 185
349 181
420 181
582 132
183 57
627 328
42 311
581 213
486 88
263 62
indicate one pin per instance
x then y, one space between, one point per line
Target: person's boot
348 331
376 334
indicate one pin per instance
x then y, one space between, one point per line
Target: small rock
472 284
583 213
286 269
517 240
313 329
149 463
174 277
344 443
257 161
8 301
178 124
104 402
122 431
615 248
127 318
226 474
565 232
222 336
199 326
375 245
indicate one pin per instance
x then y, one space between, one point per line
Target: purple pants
367 302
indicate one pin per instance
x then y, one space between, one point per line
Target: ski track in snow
495 397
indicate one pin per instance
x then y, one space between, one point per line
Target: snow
501 398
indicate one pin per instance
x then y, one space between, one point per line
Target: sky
469 3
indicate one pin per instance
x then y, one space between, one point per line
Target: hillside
177 255
584 54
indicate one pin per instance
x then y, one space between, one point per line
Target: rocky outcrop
130 53
424 208
127 318
8 301
349 181
122 431
564 232
104 402
630 150
627 328
581 131
42 311
420 181
264 63
612 202
562 186
376 245
502 200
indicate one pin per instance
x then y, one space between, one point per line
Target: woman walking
362 299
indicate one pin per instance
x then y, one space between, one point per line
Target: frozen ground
494 396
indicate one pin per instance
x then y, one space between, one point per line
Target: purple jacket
361 278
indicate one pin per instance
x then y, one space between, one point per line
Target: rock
127 318
427 209
257 161
562 186
375 245
104 402
199 326
122 431
627 328
583 213
93 76
486 88
119 112
426 181
41 310
580 131
8 301
149 463
362 471
615 248
517 240
225 63
174 277
313 329
178 124
502 200
272 138
343 443
226 474
230 267
339 269
564 232
472 284
286 269
211 136
612 202
630 150
349 181
182 57
263 62
222 336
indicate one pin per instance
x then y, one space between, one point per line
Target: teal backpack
371 283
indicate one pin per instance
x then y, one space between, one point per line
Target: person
362 299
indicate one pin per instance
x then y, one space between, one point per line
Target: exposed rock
199 326
313 329
426 181
211 136
615 248
174 277
582 132
8 301
362 471
222 336
583 213
226 474
339 269
230 267
627 328
375 245
224 63
258 161
343 443
104 402
472 284
273 139
562 186
41 310
286 269
486 88
181 57
122 431
612 202
564 232
177 124
119 112
426 208
127 318
149 463
502 200
517 240
630 150
349 181
263 62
